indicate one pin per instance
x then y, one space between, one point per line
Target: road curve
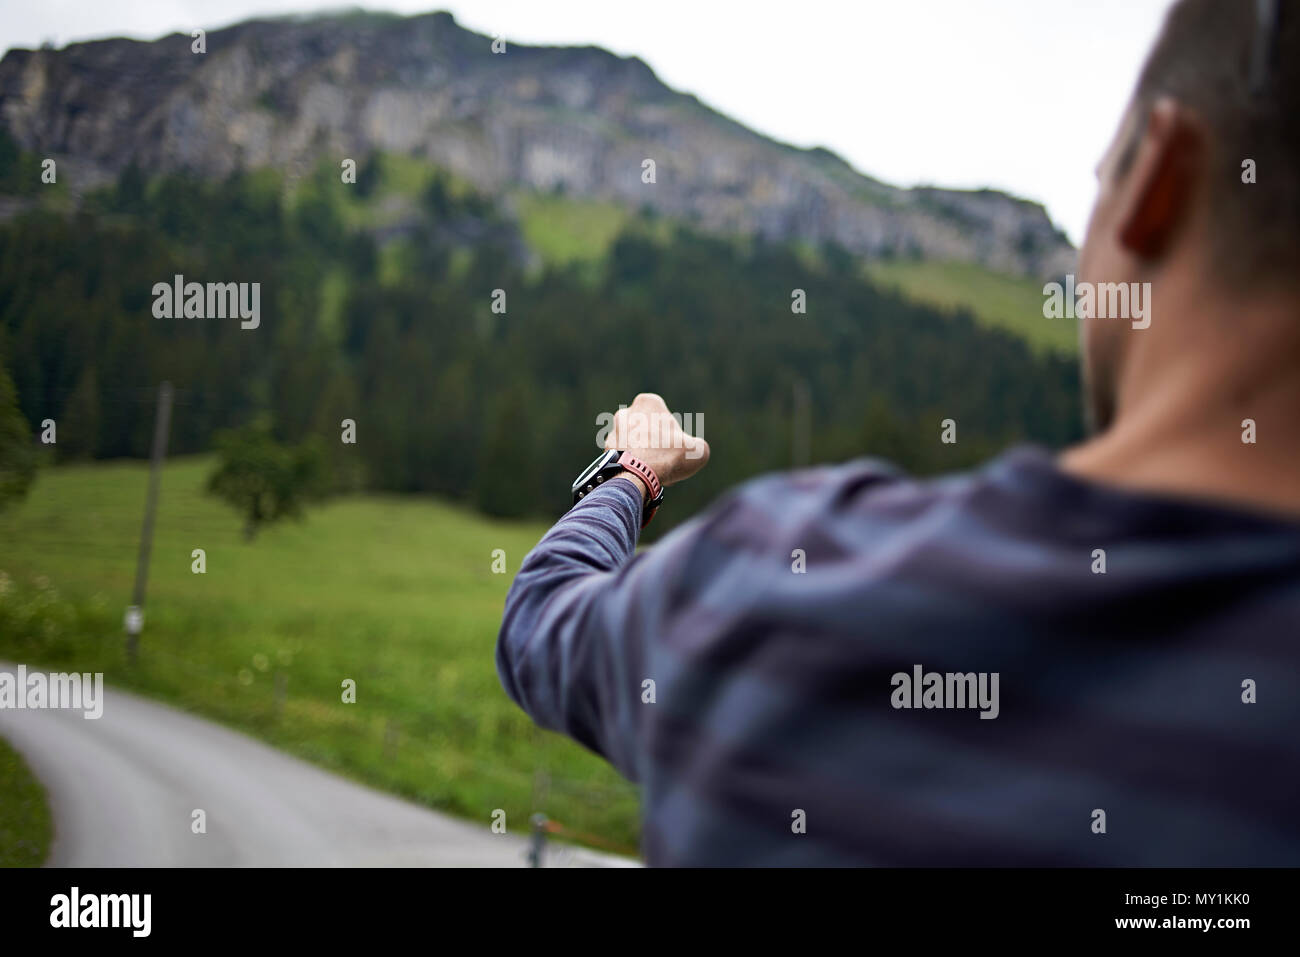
123 789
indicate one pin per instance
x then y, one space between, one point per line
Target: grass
395 593
567 231
24 815
395 196
563 231
995 300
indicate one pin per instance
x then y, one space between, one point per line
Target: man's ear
1162 179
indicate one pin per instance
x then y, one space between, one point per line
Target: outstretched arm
572 646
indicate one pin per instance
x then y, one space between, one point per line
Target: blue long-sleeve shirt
1146 709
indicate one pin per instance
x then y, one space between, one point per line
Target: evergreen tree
17 453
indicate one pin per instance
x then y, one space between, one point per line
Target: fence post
537 847
390 739
281 692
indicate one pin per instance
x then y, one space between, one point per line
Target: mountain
289 93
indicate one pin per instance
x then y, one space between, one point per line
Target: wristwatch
609 464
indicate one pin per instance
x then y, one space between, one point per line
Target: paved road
122 790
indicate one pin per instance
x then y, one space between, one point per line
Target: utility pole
135 613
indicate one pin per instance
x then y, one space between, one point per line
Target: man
1090 659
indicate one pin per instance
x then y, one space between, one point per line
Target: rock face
287 93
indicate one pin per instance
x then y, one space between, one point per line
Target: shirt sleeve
572 650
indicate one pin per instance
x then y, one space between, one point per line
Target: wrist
615 463
640 484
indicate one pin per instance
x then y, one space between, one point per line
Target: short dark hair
1236 64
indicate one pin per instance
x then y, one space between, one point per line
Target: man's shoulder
862 490
867 519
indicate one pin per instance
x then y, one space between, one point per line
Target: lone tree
264 480
17 454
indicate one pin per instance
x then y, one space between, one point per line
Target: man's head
1174 207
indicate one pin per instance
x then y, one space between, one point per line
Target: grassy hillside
566 231
24 815
563 231
995 300
395 593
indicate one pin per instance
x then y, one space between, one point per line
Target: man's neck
1184 397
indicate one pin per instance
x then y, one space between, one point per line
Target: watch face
590 473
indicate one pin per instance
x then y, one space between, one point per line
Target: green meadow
395 593
995 300
24 814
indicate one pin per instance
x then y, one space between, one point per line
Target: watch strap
644 472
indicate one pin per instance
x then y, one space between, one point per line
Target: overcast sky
1020 95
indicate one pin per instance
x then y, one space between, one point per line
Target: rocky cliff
290 92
